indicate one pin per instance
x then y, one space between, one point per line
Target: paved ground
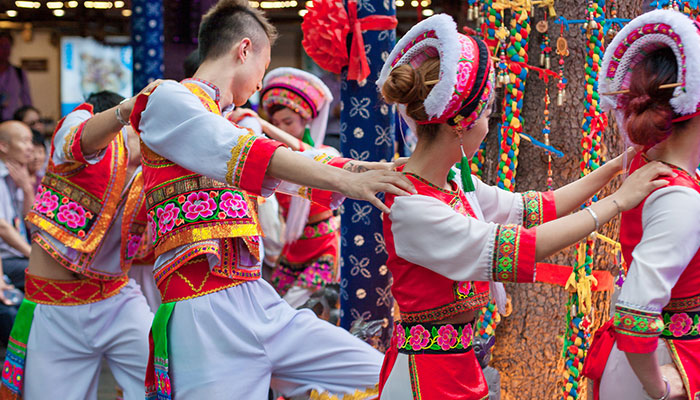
107 387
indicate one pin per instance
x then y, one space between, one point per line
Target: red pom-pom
325 29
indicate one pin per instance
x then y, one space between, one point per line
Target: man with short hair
222 332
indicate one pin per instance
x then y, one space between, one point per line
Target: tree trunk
528 351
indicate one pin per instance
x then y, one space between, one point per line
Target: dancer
651 347
218 320
80 305
446 242
299 103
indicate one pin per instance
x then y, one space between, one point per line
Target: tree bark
528 351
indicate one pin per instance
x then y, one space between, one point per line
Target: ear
4 147
245 48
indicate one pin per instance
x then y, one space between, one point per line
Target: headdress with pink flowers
466 79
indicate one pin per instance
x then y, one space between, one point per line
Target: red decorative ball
325 29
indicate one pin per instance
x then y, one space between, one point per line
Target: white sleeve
671 238
498 205
175 125
66 133
429 233
251 123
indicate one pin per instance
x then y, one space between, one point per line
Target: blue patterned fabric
147 41
366 133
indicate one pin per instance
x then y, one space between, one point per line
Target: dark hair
191 63
228 22
8 35
103 100
274 108
647 109
37 138
406 85
21 112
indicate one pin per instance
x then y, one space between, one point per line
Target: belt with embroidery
71 293
681 325
193 279
433 338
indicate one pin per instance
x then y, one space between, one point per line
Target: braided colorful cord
511 120
576 338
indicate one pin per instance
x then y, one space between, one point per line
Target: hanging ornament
543 28
546 130
562 51
613 15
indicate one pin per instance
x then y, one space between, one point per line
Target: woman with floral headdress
298 103
446 242
656 324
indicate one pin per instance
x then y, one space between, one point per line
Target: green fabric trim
159 330
23 321
307 137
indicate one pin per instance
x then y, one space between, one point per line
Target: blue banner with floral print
147 41
366 133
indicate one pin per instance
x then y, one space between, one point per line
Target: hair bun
405 85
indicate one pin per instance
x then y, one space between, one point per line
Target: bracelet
619 210
666 394
119 114
595 217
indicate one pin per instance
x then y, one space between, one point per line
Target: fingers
400 161
398 179
392 189
378 203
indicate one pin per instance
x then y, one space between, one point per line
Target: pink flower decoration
680 324
151 226
133 246
198 204
45 203
420 337
7 370
309 231
323 228
163 383
463 288
467 335
234 205
447 337
166 217
400 336
71 214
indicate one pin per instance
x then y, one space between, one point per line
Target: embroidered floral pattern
233 205
463 289
313 275
321 228
72 215
46 202
505 256
632 322
429 338
167 217
685 325
133 246
199 205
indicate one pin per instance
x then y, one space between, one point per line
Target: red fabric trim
636 344
526 256
76 148
256 163
559 274
549 208
598 354
339 162
139 106
193 280
71 293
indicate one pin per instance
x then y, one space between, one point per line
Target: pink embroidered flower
7 370
309 231
71 214
323 228
17 376
234 205
463 288
420 337
467 335
45 203
447 337
166 217
399 336
163 383
465 69
198 204
133 246
680 324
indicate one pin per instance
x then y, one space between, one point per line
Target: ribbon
358 67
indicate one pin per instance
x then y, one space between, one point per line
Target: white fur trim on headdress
685 98
449 49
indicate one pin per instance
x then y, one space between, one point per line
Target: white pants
143 275
67 343
619 382
236 343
